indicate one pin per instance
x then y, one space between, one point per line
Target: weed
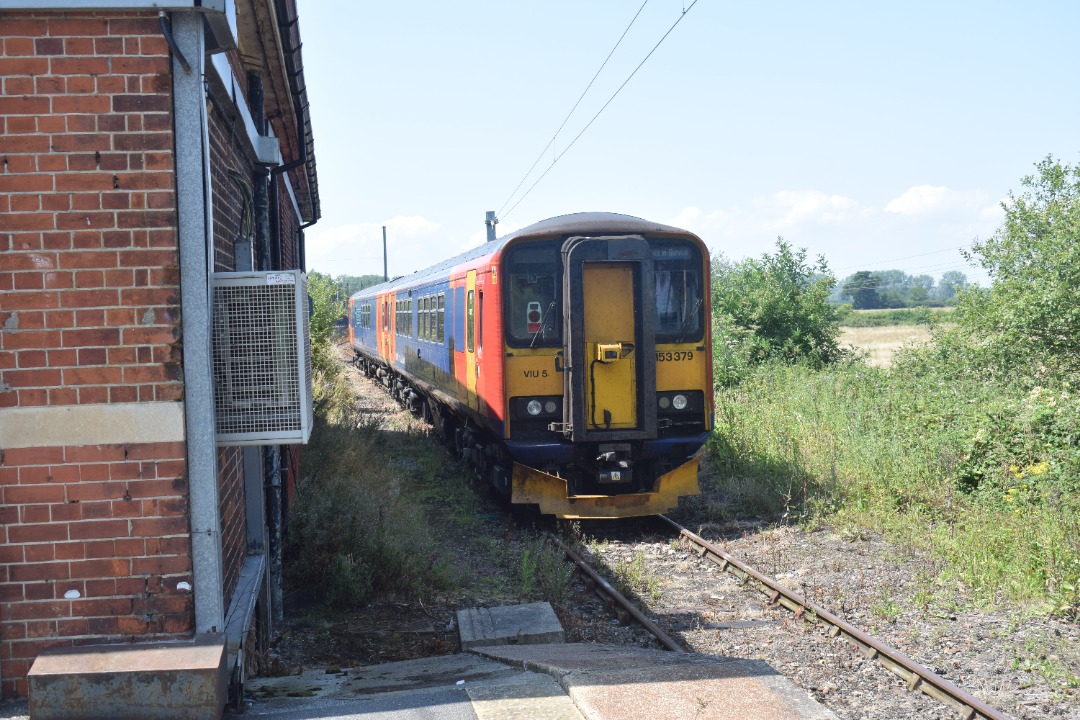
527 570
634 577
353 529
543 568
885 606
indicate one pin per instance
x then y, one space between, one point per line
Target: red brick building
143 146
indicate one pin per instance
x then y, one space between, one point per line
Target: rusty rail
917 677
604 588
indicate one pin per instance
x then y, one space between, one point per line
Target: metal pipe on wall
195 226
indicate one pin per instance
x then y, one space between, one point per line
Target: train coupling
614 466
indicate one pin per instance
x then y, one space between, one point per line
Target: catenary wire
567 118
906 257
613 96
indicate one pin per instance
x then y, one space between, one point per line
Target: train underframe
581 486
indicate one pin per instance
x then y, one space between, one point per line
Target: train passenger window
679 292
423 318
431 318
480 323
439 320
533 301
470 313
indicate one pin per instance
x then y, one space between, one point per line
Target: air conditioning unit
261 358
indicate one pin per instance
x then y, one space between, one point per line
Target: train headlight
550 407
678 402
664 402
534 407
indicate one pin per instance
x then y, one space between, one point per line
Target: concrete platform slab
528 696
462 670
181 681
455 687
621 683
531 623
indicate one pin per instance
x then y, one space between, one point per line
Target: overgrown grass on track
981 476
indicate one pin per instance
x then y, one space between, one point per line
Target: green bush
772 307
354 529
327 309
1031 310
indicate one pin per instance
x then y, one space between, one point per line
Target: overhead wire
906 257
580 98
604 107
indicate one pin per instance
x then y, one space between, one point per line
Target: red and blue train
569 361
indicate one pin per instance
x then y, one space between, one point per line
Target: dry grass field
881 343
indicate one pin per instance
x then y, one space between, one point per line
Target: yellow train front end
607 366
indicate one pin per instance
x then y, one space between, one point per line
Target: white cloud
413 243
851 232
808 206
926 199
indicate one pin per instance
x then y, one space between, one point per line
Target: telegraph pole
385 276
491 221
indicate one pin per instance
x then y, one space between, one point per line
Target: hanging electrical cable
567 118
598 112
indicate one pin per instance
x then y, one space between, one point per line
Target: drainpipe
272 475
195 225
260 199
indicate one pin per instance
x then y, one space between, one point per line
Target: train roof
584 222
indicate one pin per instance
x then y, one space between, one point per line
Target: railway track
918 678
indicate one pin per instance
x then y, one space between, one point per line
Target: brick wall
94 547
89 348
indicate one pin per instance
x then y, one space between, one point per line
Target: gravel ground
1016 663
1024 665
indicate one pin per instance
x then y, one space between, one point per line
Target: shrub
354 529
326 309
772 307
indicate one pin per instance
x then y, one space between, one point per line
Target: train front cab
598 429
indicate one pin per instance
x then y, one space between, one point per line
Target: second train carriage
570 361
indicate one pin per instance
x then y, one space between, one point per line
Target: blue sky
880 135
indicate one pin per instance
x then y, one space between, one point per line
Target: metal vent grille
261 358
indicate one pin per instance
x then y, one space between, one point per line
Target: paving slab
531 623
529 696
620 683
453 687
446 671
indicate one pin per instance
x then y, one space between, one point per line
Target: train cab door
472 357
610 383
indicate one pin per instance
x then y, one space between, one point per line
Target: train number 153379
676 356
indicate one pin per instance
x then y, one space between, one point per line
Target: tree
862 288
327 309
1033 303
778 305
952 282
